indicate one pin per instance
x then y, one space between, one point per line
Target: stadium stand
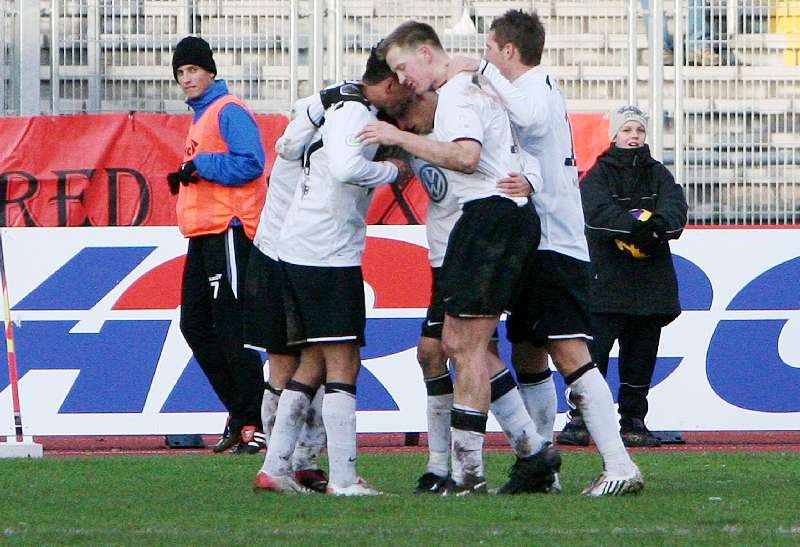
739 147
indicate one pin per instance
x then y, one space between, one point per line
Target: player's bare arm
462 156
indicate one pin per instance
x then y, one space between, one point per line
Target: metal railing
724 113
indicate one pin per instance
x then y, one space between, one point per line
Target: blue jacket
245 158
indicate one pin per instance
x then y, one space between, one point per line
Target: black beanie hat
193 51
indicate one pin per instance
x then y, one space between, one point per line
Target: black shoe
574 433
251 441
313 479
535 473
471 486
430 483
634 433
228 440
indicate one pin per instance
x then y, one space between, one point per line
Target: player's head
515 37
414 52
193 66
628 126
418 117
382 87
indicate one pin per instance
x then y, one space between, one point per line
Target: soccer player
443 212
221 188
320 247
553 312
489 250
265 327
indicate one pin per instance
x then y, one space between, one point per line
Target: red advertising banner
110 169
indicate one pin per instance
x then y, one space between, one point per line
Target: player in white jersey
489 250
552 314
319 249
265 328
443 212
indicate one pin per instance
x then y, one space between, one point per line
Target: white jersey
325 225
283 180
444 208
468 112
308 115
537 109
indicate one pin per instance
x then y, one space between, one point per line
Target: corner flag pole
13 376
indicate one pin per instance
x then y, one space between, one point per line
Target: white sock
438 411
289 420
467 454
592 396
269 406
339 416
540 401
510 412
312 436
467 451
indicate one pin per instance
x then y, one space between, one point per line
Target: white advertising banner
99 349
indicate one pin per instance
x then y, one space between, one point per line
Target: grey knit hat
623 114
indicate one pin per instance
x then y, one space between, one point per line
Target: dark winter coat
622 180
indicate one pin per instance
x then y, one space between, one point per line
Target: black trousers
638 337
212 322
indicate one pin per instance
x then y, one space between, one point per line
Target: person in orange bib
221 188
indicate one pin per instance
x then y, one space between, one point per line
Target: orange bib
206 207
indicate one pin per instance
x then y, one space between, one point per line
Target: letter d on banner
18 446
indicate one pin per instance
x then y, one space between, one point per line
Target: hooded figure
633 208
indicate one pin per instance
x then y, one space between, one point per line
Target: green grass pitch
689 498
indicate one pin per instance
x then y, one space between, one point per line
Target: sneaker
634 433
535 473
430 483
285 484
313 479
574 433
358 488
610 485
252 441
472 485
228 440
555 488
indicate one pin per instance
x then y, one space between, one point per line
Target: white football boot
613 485
358 488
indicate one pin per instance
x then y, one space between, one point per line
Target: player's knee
432 361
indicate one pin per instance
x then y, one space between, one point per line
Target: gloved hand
185 175
646 237
659 225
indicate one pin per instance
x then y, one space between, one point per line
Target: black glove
185 175
645 236
659 225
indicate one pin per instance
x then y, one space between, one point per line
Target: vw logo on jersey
434 181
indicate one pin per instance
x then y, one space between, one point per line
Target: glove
659 225
185 175
645 236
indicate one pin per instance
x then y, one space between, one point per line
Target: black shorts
491 245
324 304
434 319
264 310
553 303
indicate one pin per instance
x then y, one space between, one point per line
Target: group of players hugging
491 142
